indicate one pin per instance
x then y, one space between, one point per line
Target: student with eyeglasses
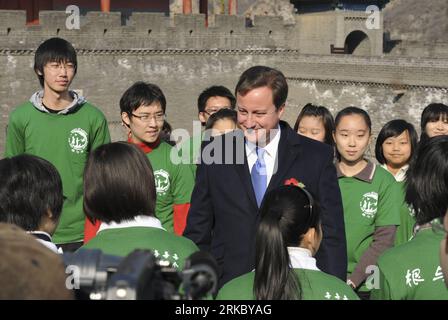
210 101
288 237
62 127
143 108
413 271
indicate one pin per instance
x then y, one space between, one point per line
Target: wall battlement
303 46
183 56
146 30
99 30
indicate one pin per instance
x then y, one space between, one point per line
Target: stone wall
311 34
183 57
417 28
318 31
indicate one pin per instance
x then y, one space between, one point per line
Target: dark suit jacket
223 216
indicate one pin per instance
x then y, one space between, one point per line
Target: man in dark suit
232 179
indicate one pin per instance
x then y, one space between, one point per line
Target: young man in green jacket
59 125
210 101
142 108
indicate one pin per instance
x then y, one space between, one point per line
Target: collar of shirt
301 258
41 235
45 239
420 227
138 221
400 176
270 156
365 174
146 147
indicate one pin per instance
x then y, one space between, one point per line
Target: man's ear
125 119
38 72
201 117
281 110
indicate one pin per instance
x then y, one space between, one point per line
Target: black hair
287 213
351 111
220 115
311 110
432 113
118 183
427 180
393 129
348 112
215 91
53 50
141 93
30 186
261 76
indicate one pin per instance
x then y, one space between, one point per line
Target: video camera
140 276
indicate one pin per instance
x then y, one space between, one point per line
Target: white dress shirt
302 258
138 221
270 156
400 175
47 243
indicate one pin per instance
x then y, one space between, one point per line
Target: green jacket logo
411 210
369 204
77 140
162 181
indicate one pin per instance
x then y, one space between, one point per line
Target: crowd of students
66 184
381 212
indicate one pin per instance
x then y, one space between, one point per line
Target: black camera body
140 276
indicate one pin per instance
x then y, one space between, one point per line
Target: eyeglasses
438 227
159 117
212 111
53 66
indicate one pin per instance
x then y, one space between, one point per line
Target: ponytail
274 279
287 213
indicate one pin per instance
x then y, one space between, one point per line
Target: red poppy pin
294 182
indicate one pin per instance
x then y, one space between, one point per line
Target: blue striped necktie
259 176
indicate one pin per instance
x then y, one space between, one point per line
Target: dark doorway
203 6
357 43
